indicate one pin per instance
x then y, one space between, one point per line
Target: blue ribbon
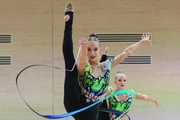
66 115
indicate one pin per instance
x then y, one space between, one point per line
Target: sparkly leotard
120 105
94 88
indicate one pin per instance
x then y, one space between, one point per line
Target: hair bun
120 71
93 35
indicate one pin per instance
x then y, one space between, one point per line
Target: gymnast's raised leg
71 85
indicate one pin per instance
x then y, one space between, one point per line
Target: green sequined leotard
120 105
94 88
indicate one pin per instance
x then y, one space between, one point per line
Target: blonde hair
119 72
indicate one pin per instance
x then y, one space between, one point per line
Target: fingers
66 18
147 34
143 36
157 105
146 38
83 41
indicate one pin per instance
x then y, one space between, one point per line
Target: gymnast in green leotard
94 75
123 102
89 80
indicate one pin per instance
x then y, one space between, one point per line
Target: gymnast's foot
68 8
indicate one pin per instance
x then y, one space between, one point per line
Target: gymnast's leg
71 85
104 115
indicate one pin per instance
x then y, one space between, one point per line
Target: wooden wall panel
37 30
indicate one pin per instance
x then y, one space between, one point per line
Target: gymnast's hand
66 18
154 101
83 42
145 38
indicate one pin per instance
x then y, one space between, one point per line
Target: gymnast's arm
146 98
108 92
129 50
81 64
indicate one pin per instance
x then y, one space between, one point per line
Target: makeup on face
93 50
122 80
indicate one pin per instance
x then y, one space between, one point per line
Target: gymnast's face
120 81
93 52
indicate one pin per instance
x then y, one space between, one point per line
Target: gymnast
122 102
89 80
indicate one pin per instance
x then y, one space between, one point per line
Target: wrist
141 42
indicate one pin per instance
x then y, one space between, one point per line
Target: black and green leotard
94 88
121 105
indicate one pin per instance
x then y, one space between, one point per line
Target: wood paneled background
37 31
